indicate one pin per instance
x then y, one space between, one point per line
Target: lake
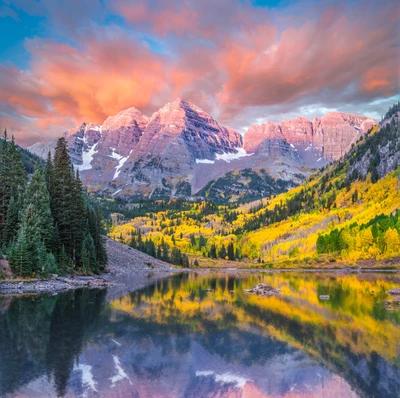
176 339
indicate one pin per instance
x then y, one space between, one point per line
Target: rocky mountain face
181 148
330 136
379 153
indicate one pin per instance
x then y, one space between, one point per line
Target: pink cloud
228 59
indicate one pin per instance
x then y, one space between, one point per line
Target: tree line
162 251
47 223
381 235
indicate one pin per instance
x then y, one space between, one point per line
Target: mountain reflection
177 339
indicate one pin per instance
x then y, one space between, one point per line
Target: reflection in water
176 339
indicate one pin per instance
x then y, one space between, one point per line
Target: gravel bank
123 260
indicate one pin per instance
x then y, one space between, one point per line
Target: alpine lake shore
128 264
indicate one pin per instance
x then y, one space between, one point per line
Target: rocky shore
127 268
52 285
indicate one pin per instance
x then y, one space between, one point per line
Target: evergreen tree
12 177
222 252
37 217
185 261
176 257
88 255
19 256
78 219
164 251
231 251
213 251
11 223
63 193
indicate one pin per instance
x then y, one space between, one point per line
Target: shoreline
124 264
131 269
59 284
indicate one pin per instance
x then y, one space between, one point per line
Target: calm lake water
175 339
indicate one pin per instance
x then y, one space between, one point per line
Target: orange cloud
228 58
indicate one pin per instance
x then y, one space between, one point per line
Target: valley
343 215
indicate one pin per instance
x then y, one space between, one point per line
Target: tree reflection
44 336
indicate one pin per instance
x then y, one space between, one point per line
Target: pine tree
11 223
185 261
222 252
88 255
20 257
37 217
231 251
213 251
176 257
78 219
62 196
12 177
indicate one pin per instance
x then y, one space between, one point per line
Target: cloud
239 63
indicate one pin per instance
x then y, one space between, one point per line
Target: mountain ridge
132 155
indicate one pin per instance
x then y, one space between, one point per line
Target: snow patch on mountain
115 193
208 161
224 378
228 157
87 156
121 161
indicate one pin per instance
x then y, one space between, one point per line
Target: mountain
240 186
330 136
181 149
346 214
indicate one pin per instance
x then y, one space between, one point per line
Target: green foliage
20 258
47 225
13 177
369 235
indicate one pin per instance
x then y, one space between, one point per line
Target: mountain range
181 149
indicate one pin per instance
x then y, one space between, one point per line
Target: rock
394 292
391 304
329 137
263 289
324 297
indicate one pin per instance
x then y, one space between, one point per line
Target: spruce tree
19 256
12 177
176 257
78 218
62 196
231 251
11 222
37 216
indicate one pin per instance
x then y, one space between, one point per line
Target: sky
244 62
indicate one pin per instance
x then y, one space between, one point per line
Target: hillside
246 185
346 213
29 160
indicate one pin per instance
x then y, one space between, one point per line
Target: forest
48 225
